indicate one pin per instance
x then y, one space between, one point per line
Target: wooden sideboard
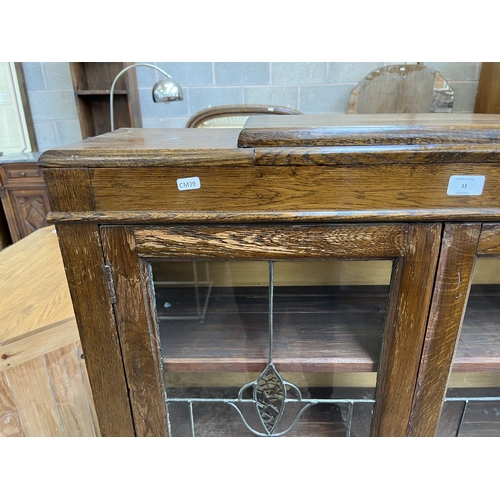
307 275
44 389
23 193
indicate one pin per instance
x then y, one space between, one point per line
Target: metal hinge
111 283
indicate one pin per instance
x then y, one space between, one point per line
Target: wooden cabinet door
30 207
282 329
459 381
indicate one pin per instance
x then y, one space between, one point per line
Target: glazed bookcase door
458 389
270 330
471 356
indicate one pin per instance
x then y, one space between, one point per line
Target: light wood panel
48 396
34 399
34 259
10 423
41 374
65 372
88 388
36 343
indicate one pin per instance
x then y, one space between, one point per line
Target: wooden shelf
83 93
479 344
92 83
316 329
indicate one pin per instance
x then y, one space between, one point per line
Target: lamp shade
167 90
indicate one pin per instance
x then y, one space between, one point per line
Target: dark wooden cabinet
488 90
302 276
24 198
92 83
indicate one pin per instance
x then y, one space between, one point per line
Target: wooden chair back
234 115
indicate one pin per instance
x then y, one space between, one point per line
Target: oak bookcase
334 259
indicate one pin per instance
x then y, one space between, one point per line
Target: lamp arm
112 118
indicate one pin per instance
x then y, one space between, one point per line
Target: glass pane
472 405
259 348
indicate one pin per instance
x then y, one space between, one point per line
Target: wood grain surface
198 119
407 319
453 280
489 242
150 217
84 264
277 242
350 130
69 189
37 343
321 329
378 155
65 372
397 88
32 392
259 190
34 291
137 332
488 89
88 389
306 190
10 422
150 147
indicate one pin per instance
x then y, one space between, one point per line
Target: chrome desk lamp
165 90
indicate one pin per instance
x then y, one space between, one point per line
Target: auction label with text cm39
465 185
188 183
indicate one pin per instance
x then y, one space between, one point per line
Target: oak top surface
177 146
34 293
373 120
165 138
368 129
148 144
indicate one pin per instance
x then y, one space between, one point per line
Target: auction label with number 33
465 185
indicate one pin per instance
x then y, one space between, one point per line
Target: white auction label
465 185
188 183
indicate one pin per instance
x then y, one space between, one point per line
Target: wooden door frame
414 248
461 244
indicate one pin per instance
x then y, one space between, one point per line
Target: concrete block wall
52 103
313 88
